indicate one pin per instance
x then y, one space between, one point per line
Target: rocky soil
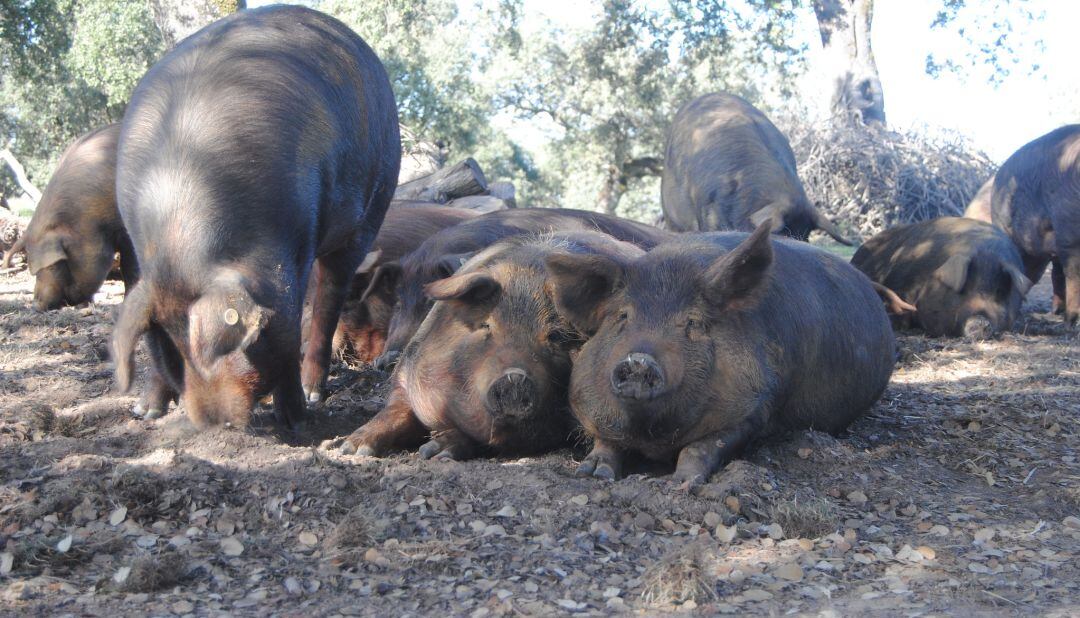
959 493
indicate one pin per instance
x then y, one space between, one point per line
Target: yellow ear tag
231 316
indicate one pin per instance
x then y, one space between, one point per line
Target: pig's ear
471 288
735 279
581 286
1019 279
224 319
41 255
369 262
771 214
384 278
449 264
954 272
134 320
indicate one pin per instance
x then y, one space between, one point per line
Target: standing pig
76 229
487 371
979 206
443 253
711 340
263 142
365 319
964 276
728 167
1036 201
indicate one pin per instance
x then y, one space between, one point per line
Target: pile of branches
869 178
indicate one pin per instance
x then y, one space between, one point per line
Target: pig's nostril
638 376
978 327
513 394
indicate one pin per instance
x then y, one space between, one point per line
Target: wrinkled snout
513 394
638 376
978 327
387 360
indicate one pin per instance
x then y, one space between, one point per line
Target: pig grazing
964 276
728 167
487 371
260 144
979 206
442 254
76 229
711 340
365 318
1036 201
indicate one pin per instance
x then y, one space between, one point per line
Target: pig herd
248 193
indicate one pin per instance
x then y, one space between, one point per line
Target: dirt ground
958 493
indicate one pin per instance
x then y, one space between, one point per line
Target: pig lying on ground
261 143
487 371
1036 200
965 276
442 254
729 168
711 340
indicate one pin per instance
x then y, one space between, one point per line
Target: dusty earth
958 493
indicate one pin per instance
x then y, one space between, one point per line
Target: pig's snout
513 394
978 327
387 360
638 376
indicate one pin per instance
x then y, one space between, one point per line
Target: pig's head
657 329
68 268
234 348
401 286
972 295
509 352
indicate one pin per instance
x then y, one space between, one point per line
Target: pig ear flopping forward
471 288
385 277
46 253
735 279
954 272
134 320
580 286
224 319
1019 279
451 262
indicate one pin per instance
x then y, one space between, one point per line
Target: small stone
983 535
231 546
64 545
121 574
118 515
182 607
7 560
580 499
292 586
857 497
790 571
757 594
611 592
507 511
644 521
495 530
1071 522
732 503
774 531
725 534
927 552
308 538
712 519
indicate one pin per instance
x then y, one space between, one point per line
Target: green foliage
113 45
996 37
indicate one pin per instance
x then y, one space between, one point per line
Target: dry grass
349 535
34 555
805 517
684 574
154 572
867 179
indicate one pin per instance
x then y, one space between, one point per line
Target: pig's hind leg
700 459
331 277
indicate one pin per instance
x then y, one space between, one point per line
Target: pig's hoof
430 450
314 397
687 480
347 448
139 410
153 413
598 468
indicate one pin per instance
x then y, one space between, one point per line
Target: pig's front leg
394 427
700 459
448 443
604 461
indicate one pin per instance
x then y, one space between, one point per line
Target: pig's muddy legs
448 444
604 461
700 459
394 427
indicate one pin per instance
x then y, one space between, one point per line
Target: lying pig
258 145
76 230
442 254
487 371
964 276
728 167
711 340
365 318
1036 200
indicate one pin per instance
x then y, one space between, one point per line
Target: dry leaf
7 559
118 515
64 544
231 546
308 538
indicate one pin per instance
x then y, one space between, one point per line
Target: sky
997 119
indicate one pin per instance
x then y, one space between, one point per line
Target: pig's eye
484 326
693 324
559 338
621 317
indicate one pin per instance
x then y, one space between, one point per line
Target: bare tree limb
20 175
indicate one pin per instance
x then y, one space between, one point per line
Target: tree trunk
465 178
479 203
612 191
845 36
20 175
